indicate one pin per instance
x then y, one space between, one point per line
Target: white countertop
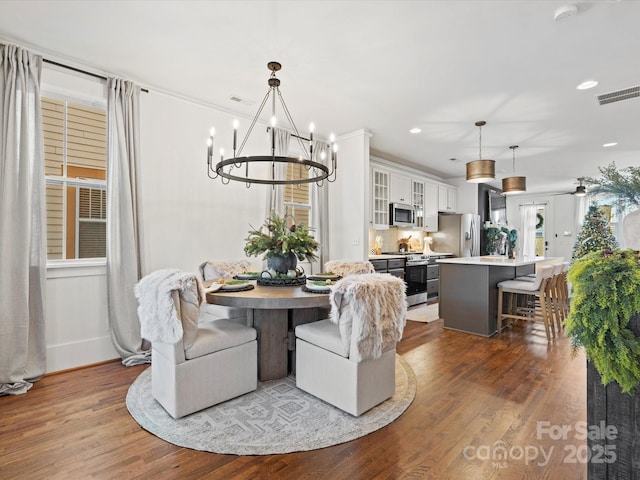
391 255
495 260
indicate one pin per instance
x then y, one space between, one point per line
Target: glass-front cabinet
425 201
417 189
380 200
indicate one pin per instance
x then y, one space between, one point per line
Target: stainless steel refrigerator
458 234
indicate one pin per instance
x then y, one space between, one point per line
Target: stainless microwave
401 215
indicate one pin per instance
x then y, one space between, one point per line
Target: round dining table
275 311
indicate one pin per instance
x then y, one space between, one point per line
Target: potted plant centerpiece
283 243
605 322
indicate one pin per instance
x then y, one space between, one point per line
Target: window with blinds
297 199
92 223
75 146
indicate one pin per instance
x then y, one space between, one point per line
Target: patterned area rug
424 313
276 418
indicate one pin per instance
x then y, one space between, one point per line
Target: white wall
560 213
77 327
188 218
349 199
467 195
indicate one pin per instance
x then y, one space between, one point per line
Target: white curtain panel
123 228
275 194
23 260
320 207
528 221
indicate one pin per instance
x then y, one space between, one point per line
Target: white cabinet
425 201
430 207
400 189
447 198
380 198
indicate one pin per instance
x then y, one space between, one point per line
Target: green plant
492 239
624 183
606 294
281 239
594 235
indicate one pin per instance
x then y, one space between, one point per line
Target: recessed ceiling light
587 85
415 130
610 144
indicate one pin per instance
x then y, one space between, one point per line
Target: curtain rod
91 74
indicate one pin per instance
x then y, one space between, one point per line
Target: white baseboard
79 354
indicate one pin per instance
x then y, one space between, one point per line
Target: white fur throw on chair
370 311
159 320
344 267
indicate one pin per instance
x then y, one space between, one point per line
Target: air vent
243 101
620 95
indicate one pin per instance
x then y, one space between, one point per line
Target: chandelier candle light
480 170
319 169
514 184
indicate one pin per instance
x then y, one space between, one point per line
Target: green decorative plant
279 238
493 235
495 238
624 183
606 295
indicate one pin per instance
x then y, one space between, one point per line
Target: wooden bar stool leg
499 309
544 302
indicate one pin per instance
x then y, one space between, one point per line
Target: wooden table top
263 297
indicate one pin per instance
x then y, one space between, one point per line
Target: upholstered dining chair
348 360
214 269
196 360
348 267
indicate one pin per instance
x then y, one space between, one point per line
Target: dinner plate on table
214 287
228 287
318 286
247 275
324 276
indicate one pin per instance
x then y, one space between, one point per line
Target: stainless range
421 274
417 272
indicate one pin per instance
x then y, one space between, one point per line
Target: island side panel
464 302
469 295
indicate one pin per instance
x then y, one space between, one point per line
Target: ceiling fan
580 190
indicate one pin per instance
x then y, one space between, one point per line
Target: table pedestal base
276 339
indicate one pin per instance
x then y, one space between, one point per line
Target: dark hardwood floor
475 396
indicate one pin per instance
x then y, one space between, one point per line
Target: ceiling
386 66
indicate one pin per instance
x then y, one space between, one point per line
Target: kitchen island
469 289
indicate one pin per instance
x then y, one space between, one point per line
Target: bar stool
558 293
528 300
561 295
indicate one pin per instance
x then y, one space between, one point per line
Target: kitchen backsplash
391 237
